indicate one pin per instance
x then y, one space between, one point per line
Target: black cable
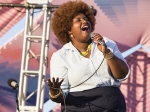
82 83
25 11
17 100
84 80
78 84
89 77
89 107
63 99
19 10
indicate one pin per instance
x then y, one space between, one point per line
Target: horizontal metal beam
39 6
27 6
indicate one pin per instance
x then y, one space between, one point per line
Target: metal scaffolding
27 53
42 59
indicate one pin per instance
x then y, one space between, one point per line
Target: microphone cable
61 90
13 83
17 102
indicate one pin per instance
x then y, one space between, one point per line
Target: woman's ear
69 32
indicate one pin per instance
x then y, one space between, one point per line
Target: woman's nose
84 21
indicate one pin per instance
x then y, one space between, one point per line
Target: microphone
12 83
99 41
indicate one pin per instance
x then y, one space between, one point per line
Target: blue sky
15 29
12 32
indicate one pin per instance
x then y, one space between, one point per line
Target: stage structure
42 58
28 54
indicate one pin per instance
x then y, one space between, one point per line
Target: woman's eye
86 19
77 20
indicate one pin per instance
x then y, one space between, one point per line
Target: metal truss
42 59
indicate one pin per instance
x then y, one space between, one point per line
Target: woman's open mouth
85 28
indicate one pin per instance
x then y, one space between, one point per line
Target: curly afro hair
63 16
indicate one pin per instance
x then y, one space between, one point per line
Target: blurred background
127 22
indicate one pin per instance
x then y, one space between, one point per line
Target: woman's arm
117 66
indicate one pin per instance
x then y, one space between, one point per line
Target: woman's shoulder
108 40
63 49
111 44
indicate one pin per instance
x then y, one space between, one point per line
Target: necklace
85 53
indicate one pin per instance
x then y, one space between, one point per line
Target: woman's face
81 28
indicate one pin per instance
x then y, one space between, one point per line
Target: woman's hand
118 67
101 47
54 85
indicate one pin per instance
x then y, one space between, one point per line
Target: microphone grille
91 35
10 81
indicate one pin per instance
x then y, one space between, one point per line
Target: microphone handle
101 42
